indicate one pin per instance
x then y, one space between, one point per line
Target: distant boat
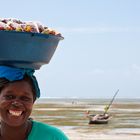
99 119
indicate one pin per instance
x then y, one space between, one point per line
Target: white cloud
97 72
92 30
133 70
136 67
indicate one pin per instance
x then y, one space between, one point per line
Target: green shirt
42 131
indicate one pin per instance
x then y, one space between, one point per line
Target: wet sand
77 135
69 115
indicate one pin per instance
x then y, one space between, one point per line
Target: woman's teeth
15 113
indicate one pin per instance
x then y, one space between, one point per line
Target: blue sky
101 49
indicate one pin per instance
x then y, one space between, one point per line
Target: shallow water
69 115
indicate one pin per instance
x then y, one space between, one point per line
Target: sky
101 49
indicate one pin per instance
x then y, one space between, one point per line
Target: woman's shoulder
40 131
44 127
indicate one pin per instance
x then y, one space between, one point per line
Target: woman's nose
16 104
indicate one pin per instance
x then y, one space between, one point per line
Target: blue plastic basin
27 50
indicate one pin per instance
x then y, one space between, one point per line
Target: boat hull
98 122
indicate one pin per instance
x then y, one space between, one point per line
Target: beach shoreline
69 116
75 135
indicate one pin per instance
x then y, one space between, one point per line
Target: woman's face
16 102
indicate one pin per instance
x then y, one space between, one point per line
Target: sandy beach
69 116
76 135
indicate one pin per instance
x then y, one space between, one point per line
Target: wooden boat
99 119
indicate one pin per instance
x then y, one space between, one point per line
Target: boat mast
108 106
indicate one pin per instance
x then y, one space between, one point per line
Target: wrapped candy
3 26
30 27
40 27
18 25
14 26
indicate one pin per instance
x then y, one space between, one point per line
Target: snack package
29 26
3 26
40 27
14 26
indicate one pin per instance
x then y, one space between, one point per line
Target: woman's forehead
18 86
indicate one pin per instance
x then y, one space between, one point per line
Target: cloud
94 30
133 70
97 71
136 67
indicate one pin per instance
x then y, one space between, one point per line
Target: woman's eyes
23 98
9 97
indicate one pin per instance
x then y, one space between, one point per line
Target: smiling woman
18 92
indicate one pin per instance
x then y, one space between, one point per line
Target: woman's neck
14 133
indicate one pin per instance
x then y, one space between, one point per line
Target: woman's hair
4 82
30 81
